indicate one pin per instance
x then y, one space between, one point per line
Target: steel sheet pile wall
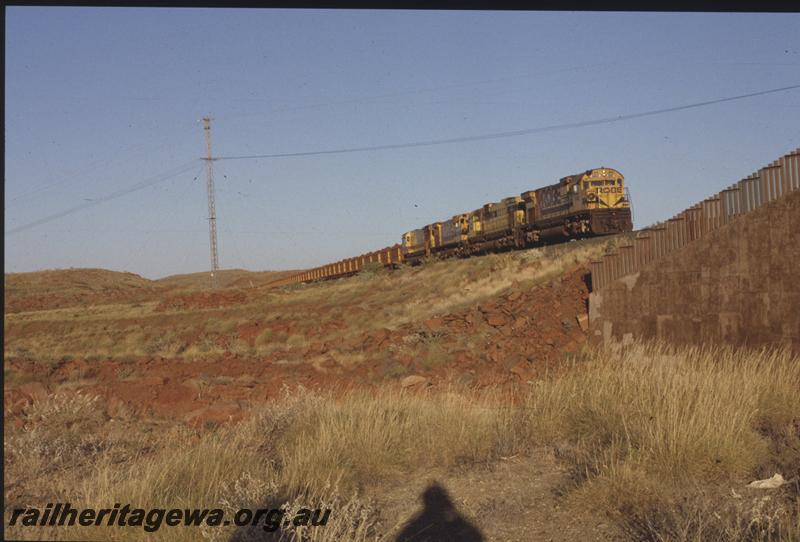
769 183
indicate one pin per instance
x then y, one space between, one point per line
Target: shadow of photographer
439 520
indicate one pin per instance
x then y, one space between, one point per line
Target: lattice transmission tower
212 213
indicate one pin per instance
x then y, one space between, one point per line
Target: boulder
520 323
415 381
495 319
774 482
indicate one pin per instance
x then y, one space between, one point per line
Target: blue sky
99 99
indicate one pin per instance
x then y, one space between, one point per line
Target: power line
138 151
114 195
514 133
134 254
497 135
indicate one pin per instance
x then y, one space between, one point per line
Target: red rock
522 370
14 402
495 319
415 381
15 422
583 322
34 391
152 381
406 360
324 365
433 324
216 413
246 380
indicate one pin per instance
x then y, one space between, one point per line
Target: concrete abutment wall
739 285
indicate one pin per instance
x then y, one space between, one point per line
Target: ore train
594 202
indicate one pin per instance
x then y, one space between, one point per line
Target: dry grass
655 436
378 298
72 287
416 293
663 441
72 281
240 278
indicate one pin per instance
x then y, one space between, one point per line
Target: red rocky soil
201 300
522 334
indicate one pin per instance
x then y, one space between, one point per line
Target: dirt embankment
506 340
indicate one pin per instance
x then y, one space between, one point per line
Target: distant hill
226 278
59 288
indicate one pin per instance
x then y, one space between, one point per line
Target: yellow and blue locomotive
586 204
594 202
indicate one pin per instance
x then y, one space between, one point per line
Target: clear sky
100 99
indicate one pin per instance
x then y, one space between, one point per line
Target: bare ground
518 499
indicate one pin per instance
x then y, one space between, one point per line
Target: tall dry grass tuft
307 450
649 427
363 437
230 468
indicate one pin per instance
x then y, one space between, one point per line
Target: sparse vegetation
664 439
661 440
374 299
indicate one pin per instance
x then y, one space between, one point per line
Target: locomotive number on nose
610 190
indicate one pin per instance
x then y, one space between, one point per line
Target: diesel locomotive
594 202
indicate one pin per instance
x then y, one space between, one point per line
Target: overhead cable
513 133
174 172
